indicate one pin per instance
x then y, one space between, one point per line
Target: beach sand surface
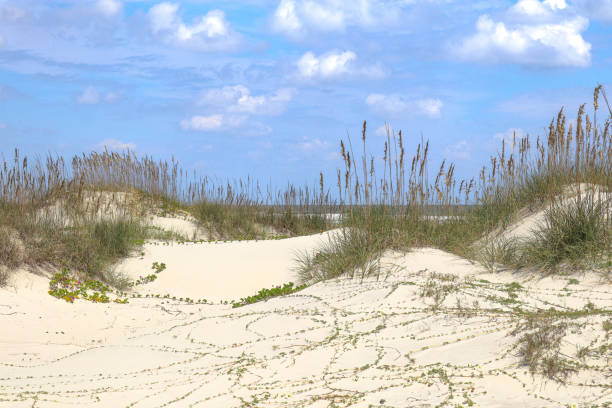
432 329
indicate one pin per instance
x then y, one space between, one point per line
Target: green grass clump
265 294
351 251
253 220
571 234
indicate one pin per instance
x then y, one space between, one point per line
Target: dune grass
90 216
51 213
393 210
572 234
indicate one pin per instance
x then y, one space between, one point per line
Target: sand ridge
436 331
432 329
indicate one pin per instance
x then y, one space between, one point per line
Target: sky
267 88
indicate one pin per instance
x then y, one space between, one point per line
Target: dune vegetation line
51 212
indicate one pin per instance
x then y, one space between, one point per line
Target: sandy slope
219 270
434 330
376 343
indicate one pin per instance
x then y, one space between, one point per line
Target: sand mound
439 330
433 329
219 270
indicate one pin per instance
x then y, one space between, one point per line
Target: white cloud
297 17
208 32
285 18
113 144
2 125
203 123
334 64
322 17
238 98
163 17
91 96
316 144
382 130
109 8
540 33
537 8
394 105
231 107
430 107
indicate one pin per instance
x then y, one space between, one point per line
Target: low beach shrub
68 287
264 294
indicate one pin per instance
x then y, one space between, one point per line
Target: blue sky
267 88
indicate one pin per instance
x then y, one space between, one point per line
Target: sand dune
220 270
436 330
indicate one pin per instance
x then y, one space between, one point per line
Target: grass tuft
572 233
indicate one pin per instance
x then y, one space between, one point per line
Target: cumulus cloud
394 105
203 123
113 144
231 106
297 17
430 107
533 33
109 8
91 96
238 99
537 8
333 64
285 17
208 32
327 65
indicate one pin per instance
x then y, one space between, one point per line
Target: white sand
376 343
220 270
